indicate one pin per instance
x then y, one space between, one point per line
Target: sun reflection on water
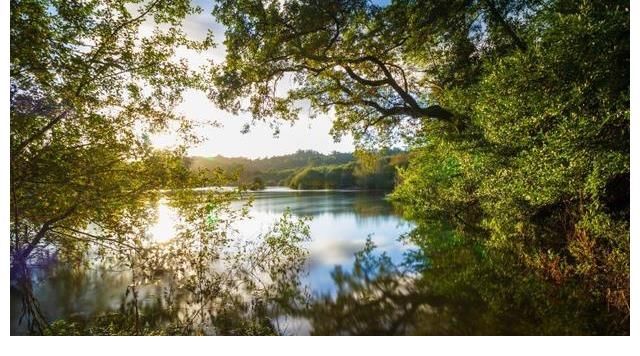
165 227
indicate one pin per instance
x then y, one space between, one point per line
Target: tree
88 87
516 112
86 90
258 184
536 171
375 66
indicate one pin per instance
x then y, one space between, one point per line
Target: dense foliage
543 164
517 114
84 87
90 81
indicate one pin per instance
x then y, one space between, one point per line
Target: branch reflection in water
290 262
246 261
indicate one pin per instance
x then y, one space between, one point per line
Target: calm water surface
341 222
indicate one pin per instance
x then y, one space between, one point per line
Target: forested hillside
307 169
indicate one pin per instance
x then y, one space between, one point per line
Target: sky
226 139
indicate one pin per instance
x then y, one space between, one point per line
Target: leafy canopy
516 112
87 88
376 67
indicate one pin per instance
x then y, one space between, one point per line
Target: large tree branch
22 145
44 229
96 238
361 80
412 109
391 81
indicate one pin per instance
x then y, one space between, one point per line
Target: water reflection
357 279
341 223
164 228
316 202
449 285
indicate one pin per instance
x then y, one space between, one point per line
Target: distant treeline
307 169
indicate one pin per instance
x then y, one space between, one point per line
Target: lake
341 222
